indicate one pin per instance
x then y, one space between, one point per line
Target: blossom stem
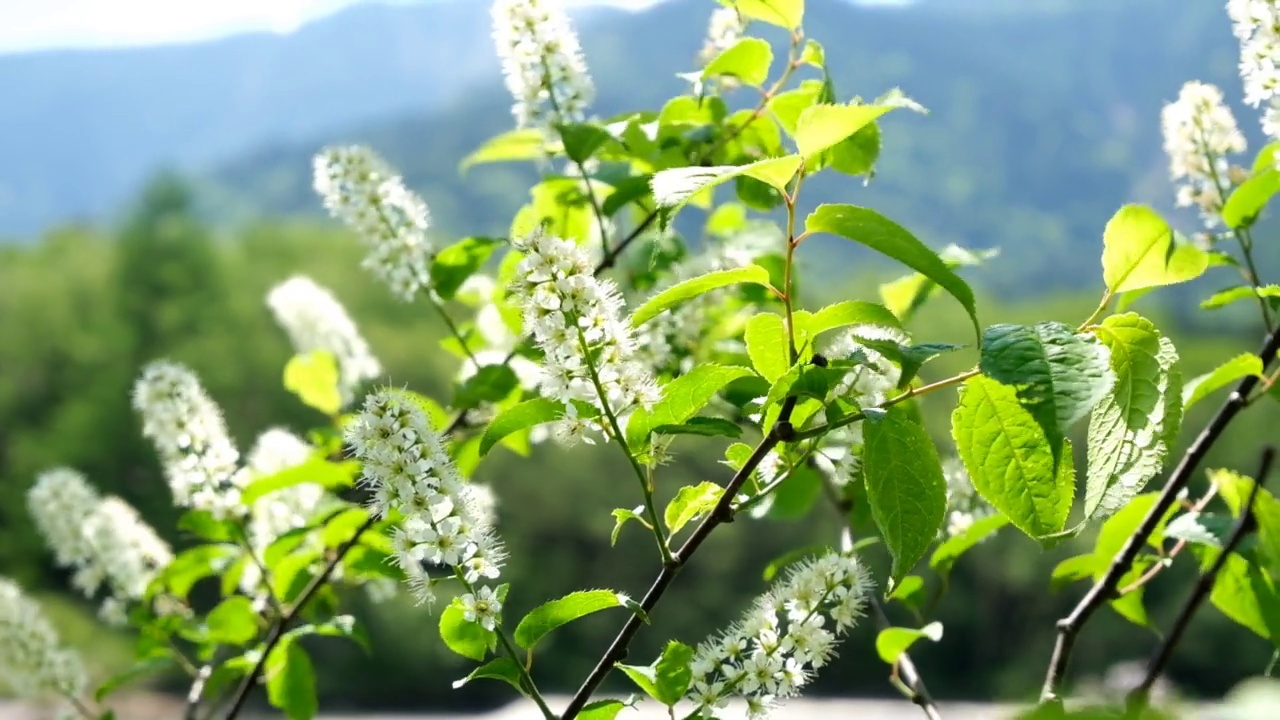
596 209
1243 238
453 328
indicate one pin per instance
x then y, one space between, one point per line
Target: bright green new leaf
1226 297
291 681
620 518
1059 375
1132 427
674 187
905 486
850 312
454 264
1266 158
909 592
1010 459
748 60
313 377
602 710
191 566
949 552
509 146
786 14
317 471
694 287
1139 252
886 237
1248 595
468 639
892 642
1247 201
1235 489
691 502
813 54
766 339
823 126
682 398
667 679
520 417
233 621
551 615
1239 367
503 668
787 106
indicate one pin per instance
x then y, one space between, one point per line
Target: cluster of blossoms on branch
33 661
315 320
1256 24
789 632
1200 134
542 61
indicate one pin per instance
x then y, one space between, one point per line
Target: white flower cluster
1256 24
186 427
103 540
576 319
1199 133
276 513
869 385
789 632
315 320
964 505
725 28
365 192
32 660
542 62
410 472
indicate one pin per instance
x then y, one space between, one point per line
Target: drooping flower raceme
789 632
1199 134
542 62
964 505
128 552
365 192
315 320
575 318
278 512
188 432
33 661
59 501
725 28
409 471
1256 24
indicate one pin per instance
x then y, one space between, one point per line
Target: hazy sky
35 24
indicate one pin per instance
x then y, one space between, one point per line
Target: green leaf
786 14
1235 489
1226 297
767 346
291 681
191 566
454 264
1210 529
787 106
667 679
1241 366
909 592
1139 252
1130 430
1010 459
1059 375
1247 201
342 527
203 525
949 552
888 238
140 669
705 426
823 126
905 486
318 471
503 668
520 417
549 616
469 639
582 140
313 377
233 621
748 60
851 312
602 710
681 399
490 384
510 146
1076 568
690 502
620 518
893 642
674 187
1248 595
678 293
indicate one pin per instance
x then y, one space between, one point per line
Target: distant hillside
1043 121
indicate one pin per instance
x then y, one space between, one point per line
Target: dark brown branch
722 513
1139 696
1105 588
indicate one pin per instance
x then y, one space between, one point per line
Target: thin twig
1140 695
1178 547
1105 587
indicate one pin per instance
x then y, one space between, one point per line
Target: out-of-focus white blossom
789 632
542 62
365 192
189 435
407 467
315 320
576 319
59 501
33 661
868 384
278 512
1256 24
723 30
964 505
1199 134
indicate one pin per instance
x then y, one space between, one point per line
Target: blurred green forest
81 310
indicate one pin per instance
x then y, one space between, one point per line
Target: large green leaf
549 616
520 417
233 621
823 126
508 147
675 187
694 287
1132 427
313 377
1010 459
454 264
767 346
748 60
317 471
291 681
1235 489
1139 252
1247 201
681 399
850 312
783 13
877 232
905 486
1248 595
1237 368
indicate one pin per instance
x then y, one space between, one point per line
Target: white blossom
542 62
33 661
725 28
576 319
278 512
964 505
190 437
772 651
315 320
59 501
1256 24
1199 134
128 552
407 467
365 192
482 607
